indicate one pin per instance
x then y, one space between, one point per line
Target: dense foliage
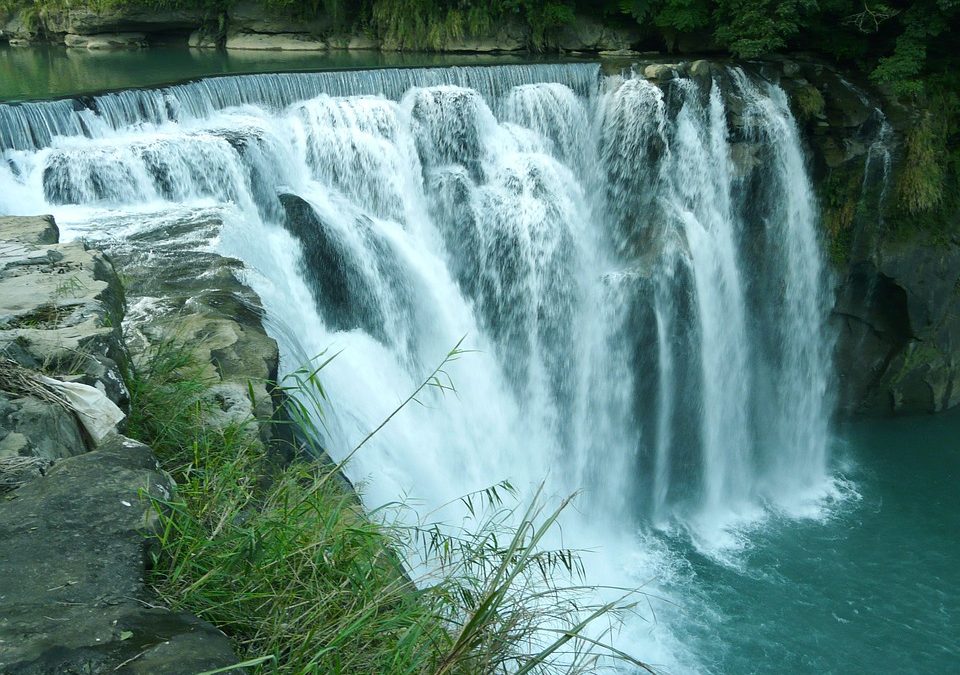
901 42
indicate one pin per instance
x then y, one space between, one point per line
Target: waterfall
29 126
637 267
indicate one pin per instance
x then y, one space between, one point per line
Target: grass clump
928 175
419 24
808 103
922 178
293 571
280 559
284 560
841 201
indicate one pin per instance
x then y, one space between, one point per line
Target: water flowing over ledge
30 126
637 265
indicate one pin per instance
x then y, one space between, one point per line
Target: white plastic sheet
98 414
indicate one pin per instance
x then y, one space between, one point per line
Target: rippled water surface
872 588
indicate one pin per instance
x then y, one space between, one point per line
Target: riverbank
78 501
250 25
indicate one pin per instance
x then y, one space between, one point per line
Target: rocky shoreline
76 510
249 25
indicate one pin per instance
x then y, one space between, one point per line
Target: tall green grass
286 562
922 177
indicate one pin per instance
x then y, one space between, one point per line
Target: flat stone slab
75 525
106 41
60 305
73 555
291 42
29 230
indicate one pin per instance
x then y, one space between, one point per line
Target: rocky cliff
76 503
897 278
250 25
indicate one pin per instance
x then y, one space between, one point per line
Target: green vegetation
928 180
921 181
426 24
901 42
841 199
809 103
283 559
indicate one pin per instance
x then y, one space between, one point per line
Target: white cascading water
637 267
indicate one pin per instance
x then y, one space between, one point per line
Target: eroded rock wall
181 295
75 513
251 25
897 310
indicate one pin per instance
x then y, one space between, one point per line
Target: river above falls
46 72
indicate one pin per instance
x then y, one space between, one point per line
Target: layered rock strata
75 516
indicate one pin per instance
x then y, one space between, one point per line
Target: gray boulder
29 229
509 36
251 16
30 427
74 557
18 30
106 41
203 39
588 35
253 26
290 42
358 42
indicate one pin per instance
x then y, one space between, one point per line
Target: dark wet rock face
342 284
897 310
899 317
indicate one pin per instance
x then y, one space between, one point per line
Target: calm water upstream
36 73
505 203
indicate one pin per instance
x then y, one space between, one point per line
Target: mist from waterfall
636 266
